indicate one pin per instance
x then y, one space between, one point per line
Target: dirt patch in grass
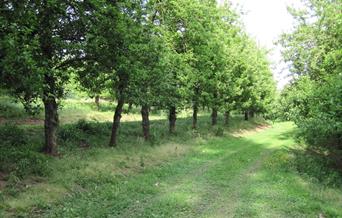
26 121
244 132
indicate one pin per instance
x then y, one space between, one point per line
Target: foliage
167 55
12 136
314 99
82 130
40 42
24 162
316 166
37 43
171 55
323 123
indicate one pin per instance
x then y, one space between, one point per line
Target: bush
311 164
86 127
76 132
82 130
218 130
316 166
316 107
69 133
23 162
12 135
323 124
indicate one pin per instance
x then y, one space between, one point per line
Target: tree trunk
145 122
214 116
50 90
172 119
226 118
246 115
97 102
116 121
51 125
194 116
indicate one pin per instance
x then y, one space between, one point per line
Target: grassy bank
246 169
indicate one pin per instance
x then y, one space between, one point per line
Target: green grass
71 110
244 170
221 178
247 174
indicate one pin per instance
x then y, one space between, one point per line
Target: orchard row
170 55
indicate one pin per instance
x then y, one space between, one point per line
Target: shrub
69 133
86 126
316 107
82 130
12 135
316 166
23 162
218 131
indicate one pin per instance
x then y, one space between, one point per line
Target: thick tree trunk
194 116
214 116
51 125
246 115
97 102
116 121
145 122
226 118
172 119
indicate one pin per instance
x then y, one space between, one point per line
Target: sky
265 21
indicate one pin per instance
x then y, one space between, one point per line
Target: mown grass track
245 175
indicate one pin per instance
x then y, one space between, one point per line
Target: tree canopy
314 51
168 55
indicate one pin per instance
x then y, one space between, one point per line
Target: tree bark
246 115
226 118
97 102
194 115
145 122
50 125
195 100
214 116
172 119
116 121
50 90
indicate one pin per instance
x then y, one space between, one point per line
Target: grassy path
241 176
